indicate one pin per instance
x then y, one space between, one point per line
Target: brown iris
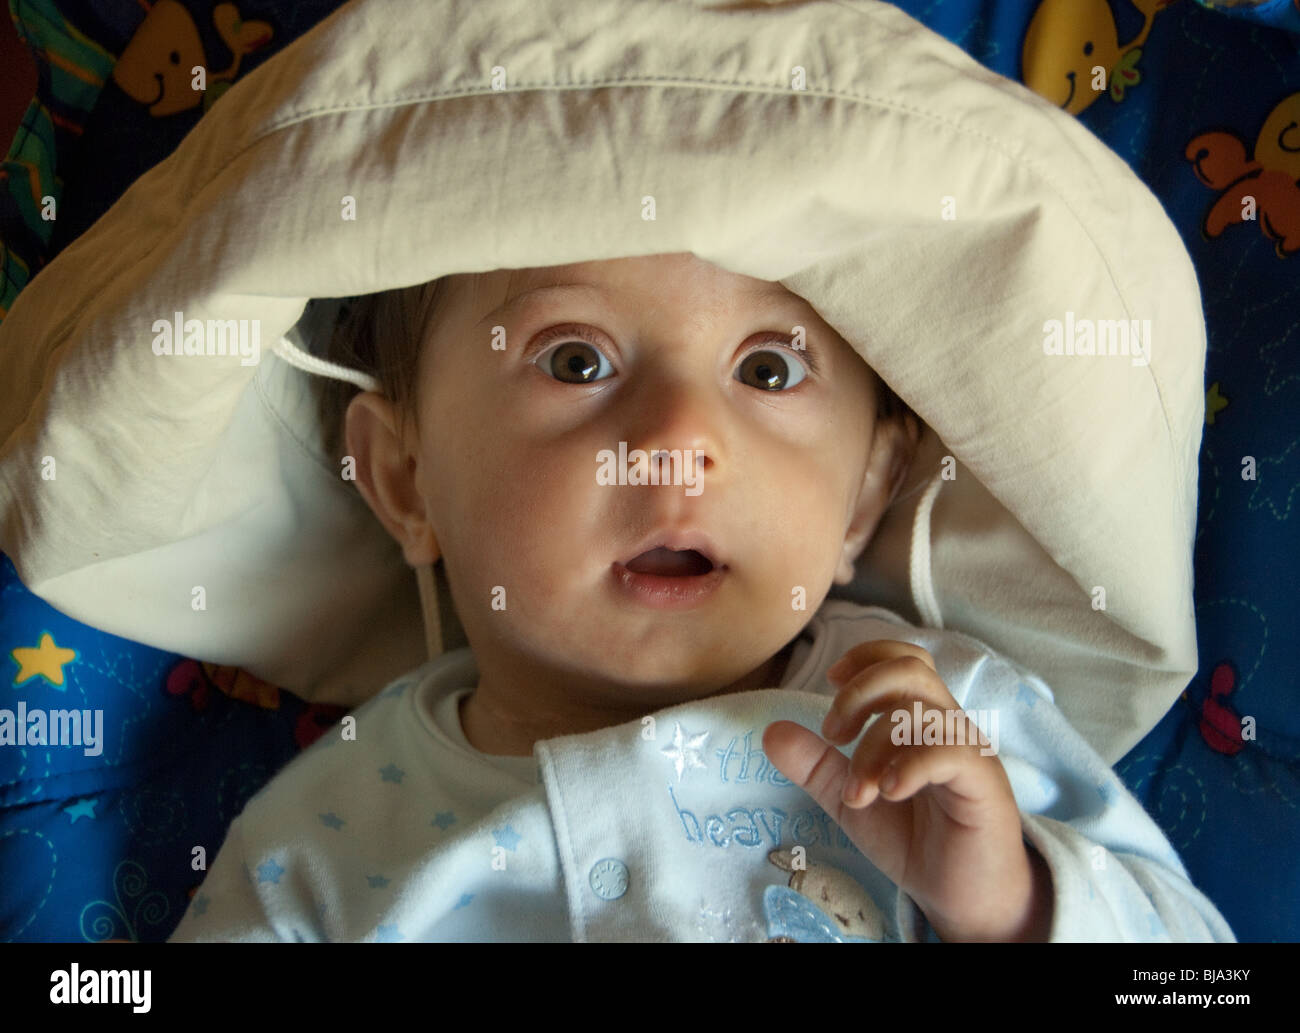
765 370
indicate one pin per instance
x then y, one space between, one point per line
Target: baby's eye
770 370
576 362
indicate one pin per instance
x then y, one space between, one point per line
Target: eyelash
806 354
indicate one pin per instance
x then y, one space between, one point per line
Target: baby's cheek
792 580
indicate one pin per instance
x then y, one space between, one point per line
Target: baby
643 740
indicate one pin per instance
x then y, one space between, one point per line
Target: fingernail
852 789
835 671
832 727
888 780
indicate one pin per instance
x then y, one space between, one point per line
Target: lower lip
668 593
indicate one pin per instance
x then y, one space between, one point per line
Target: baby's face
551 560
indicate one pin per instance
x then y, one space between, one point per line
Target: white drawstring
424 575
426 579
919 567
295 356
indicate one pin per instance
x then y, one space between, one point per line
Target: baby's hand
940 820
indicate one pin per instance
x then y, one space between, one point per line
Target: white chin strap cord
308 363
424 576
927 606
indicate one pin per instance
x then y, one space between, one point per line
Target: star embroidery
506 837
685 750
387 934
47 660
392 773
81 809
269 871
332 820
465 898
443 819
1026 695
377 882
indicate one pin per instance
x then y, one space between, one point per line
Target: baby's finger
883 686
864 654
874 753
969 781
819 769
807 761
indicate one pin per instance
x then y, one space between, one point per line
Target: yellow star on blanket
1213 403
47 660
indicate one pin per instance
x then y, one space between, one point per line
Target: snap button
609 878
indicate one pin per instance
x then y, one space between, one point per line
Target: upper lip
679 540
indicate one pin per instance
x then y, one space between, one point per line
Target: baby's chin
665 676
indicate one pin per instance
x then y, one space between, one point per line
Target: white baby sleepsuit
676 828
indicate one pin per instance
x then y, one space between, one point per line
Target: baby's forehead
681 281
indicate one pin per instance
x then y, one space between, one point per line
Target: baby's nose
665 456
680 417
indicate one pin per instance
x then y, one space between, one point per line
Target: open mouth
664 578
664 562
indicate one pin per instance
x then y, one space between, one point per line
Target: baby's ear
893 449
385 470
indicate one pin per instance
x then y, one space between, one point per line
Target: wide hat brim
934 213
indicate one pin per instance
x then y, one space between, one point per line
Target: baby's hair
381 334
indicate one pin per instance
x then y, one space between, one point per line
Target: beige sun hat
939 216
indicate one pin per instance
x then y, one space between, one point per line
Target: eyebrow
517 300
762 291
